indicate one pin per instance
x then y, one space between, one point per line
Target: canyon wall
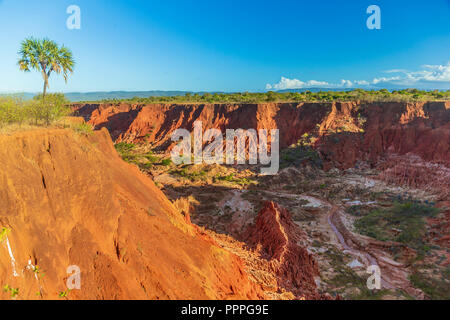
408 142
345 132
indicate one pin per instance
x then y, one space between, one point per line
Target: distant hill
319 89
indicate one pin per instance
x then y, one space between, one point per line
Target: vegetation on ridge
14 110
382 95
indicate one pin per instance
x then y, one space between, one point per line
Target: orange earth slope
68 199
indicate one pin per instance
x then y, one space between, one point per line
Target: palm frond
46 56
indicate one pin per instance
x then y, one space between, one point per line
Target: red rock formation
156 122
275 237
68 199
414 172
422 129
347 132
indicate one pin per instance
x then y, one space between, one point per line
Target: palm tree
46 56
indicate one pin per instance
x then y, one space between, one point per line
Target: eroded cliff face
359 131
421 129
67 199
345 133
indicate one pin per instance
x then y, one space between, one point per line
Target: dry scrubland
17 114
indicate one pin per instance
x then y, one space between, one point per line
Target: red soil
70 200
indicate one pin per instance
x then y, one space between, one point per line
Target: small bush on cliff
151 158
125 151
12 110
124 147
4 234
53 107
192 175
64 294
166 162
13 291
84 129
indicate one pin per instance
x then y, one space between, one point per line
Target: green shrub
151 158
190 175
12 110
53 107
231 178
13 291
84 129
433 288
125 151
124 147
4 234
407 219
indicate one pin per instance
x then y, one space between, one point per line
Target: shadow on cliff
118 123
295 119
85 111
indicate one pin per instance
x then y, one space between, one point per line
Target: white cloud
395 71
346 83
314 83
430 74
384 80
362 82
286 83
433 73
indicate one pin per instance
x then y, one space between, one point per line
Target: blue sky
232 45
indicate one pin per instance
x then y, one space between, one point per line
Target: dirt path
369 261
369 252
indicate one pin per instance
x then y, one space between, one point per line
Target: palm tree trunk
43 97
45 91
